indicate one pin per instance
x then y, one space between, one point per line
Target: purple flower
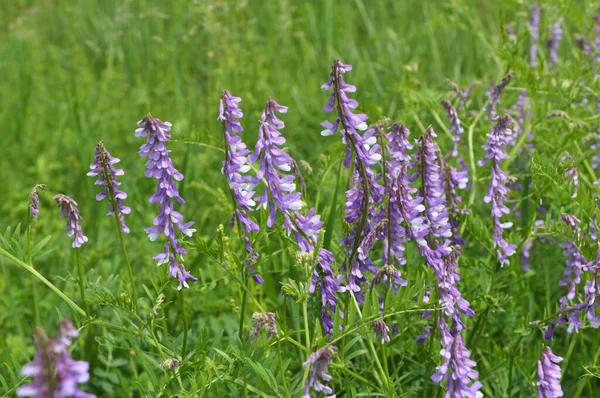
55 373
235 166
68 208
328 284
553 41
161 167
571 174
381 330
534 27
454 180
103 168
266 321
457 369
498 190
526 251
425 335
34 200
450 297
494 95
549 375
455 127
318 371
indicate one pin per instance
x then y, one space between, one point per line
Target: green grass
75 73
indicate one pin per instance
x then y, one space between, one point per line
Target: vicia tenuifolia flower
54 372
462 95
534 27
381 330
266 321
549 375
498 189
103 168
235 166
571 174
161 168
553 42
494 95
318 370
455 127
457 369
68 208
34 200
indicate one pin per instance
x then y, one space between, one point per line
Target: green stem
306 331
243 309
185 325
44 281
81 286
283 380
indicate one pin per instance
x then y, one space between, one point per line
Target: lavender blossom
318 371
549 375
34 200
553 42
450 297
381 330
424 336
498 190
457 369
103 168
266 321
454 180
571 174
55 373
534 27
235 166
494 95
328 284
455 127
160 167
68 208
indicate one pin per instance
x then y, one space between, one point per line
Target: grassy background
74 73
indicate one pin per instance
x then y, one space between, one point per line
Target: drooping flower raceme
103 168
68 208
234 168
498 190
54 372
534 27
34 200
494 95
319 360
455 127
160 167
381 330
549 375
553 42
266 321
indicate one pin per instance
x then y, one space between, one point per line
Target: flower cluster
103 168
534 27
498 190
381 330
549 375
553 41
55 373
235 166
68 208
160 166
455 127
34 200
319 360
266 321
495 93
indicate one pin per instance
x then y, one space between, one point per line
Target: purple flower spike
498 190
534 27
549 375
103 168
55 373
381 331
161 167
235 166
457 369
572 175
494 95
319 360
328 284
553 42
34 200
455 127
68 208
266 321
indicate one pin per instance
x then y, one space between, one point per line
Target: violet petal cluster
553 42
68 209
103 168
34 200
549 375
498 189
160 167
319 360
494 95
328 284
381 330
54 372
264 321
455 127
534 28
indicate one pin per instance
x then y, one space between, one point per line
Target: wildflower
454 180
55 373
498 190
103 168
450 297
328 284
495 93
318 370
423 337
549 375
534 27
553 41
457 368
34 200
266 321
160 166
455 127
68 208
170 364
235 166
381 330
571 174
